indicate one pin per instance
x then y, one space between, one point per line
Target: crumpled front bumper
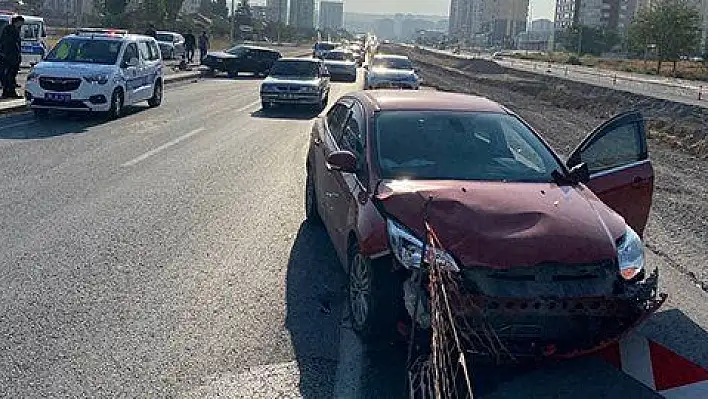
554 327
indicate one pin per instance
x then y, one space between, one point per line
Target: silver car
341 65
391 71
171 44
296 81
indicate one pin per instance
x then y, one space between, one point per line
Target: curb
169 79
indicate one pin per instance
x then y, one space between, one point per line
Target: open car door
621 174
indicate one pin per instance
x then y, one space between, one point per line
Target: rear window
445 145
324 46
301 69
164 37
392 63
339 56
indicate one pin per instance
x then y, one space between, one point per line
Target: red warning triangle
672 370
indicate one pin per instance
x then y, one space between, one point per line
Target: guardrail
618 80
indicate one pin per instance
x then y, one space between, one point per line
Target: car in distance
341 65
391 71
242 58
171 44
321 48
97 70
296 81
359 53
548 253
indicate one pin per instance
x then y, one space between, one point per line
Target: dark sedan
547 253
243 58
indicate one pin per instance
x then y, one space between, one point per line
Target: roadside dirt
564 113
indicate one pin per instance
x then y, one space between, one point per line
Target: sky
538 8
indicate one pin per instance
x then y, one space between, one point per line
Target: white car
341 65
97 70
391 71
296 81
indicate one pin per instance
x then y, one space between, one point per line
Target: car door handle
330 194
638 182
317 141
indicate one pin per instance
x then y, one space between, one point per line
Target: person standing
190 42
11 56
151 31
203 45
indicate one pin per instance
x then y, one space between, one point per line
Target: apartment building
498 20
302 13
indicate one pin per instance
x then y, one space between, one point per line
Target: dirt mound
485 67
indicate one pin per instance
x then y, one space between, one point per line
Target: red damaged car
550 251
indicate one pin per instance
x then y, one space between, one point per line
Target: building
302 14
614 15
190 7
277 11
331 15
541 25
507 18
385 28
500 21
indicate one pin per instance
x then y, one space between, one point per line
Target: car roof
391 56
103 36
312 60
251 47
426 100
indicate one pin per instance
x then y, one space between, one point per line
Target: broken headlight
408 249
630 254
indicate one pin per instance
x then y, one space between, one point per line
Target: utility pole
233 20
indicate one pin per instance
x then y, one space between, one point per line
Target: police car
97 70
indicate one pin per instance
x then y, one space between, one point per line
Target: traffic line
658 368
162 147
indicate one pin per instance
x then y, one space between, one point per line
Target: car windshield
324 46
300 69
339 56
238 50
164 37
92 51
445 145
392 63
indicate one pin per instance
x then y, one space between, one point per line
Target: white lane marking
179 139
636 359
17 124
162 147
244 108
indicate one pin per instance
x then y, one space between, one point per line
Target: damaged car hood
503 225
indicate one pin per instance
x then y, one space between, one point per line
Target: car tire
117 104
266 106
156 98
371 295
312 214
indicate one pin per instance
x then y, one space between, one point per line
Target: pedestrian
190 42
203 45
11 56
151 31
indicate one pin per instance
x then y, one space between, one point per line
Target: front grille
545 280
59 84
290 88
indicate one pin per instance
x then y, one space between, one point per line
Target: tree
673 26
595 41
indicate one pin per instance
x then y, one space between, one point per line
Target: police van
33 35
97 70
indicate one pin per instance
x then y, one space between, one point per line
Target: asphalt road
165 254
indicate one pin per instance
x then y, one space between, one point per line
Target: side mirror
343 161
580 173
